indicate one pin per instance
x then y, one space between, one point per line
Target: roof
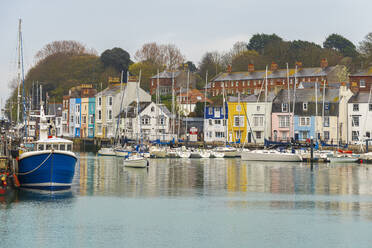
55 109
111 90
131 110
308 95
361 97
194 96
167 74
363 73
253 97
280 73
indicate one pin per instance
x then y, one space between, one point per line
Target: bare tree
69 47
168 55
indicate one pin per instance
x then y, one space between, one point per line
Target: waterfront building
249 119
312 118
360 117
65 116
77 118
251 81
71 119
215 123
155 122
87 98
165 81
187 100
111 101
91 116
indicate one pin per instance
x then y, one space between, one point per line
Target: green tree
199 109
148 69
365 48
117 58
341 44
258 42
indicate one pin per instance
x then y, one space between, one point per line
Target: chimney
229 69
299 65
274 66
250 67
324 63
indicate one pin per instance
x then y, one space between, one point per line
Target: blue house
304 127
71 119
215 123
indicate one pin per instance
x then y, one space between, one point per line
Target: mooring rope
28 172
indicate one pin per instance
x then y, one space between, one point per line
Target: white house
360 117
154 120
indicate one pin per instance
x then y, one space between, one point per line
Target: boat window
62 147
69 147
55 146
40 147
48 147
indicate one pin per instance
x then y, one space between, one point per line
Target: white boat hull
158 154
270 156
106 152
342 160
136 163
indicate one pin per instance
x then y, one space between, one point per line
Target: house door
296 136
249 137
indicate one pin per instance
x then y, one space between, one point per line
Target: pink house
281 126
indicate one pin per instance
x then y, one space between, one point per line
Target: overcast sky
195 26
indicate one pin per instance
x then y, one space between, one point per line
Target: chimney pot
250 67
274 66
324 63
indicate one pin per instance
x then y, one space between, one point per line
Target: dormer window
362 83
284 107
355 107
304 106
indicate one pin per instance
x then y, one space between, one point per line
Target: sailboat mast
187 100
294 98
173 105
205 95
19 68
224 110
324 85
265 125
138 107
316 108
157 106
289 103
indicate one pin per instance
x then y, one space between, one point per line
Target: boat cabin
54 144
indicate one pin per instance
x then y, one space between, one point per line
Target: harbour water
196 203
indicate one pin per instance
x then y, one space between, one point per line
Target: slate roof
308 95
280 73
363 73
167 74
361 97
109 91
253 98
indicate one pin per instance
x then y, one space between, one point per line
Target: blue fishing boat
51 166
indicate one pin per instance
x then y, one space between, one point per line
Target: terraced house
111 101
252 81
215 123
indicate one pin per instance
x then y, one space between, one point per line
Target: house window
99 115
304 106
258 120
258 135
99 101
355 121
355 135
326 106
77 108
109 114
91 119
217 122
258 108
84 119
219 134
77 120
304 134
238 121
304 121
249 91
284 107
355 107
210 122
326 135
326 121
110 100
99 129
238 135
210 110
362 83
238 108
284 135
232 84
370 107
152 109
145 121
217 112
224 122
284 121
162 120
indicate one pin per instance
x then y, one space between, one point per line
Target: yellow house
237 122
84 116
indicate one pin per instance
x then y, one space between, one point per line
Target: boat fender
16 181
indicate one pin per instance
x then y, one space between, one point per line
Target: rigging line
36 168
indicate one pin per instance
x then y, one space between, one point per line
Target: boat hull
263 156
137 163
46 170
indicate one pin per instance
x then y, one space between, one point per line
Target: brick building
361 80
165 81
252 81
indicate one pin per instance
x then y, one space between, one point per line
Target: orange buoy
16 181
